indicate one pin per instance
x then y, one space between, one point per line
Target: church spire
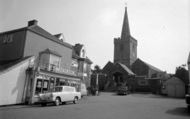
125 33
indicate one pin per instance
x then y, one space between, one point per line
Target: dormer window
83 53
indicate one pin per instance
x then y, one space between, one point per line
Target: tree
97 69
183 74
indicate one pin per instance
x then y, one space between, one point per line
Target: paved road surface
105 106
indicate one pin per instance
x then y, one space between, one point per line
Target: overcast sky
161 27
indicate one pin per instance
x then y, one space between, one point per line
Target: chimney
32 22
60 36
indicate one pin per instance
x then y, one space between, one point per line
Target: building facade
53 59
117 74
82 64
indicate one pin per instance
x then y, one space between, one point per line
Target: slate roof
51 52
150 66
12 64
108 68
40 31
126 69
113 67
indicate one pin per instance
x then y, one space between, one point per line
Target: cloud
107 17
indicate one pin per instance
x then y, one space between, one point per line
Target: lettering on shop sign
7 38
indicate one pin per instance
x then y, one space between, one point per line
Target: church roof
125 33
108 68
115 67
126 69
150 66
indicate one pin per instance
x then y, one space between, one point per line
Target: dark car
187 98
122 90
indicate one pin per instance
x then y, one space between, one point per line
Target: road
105 106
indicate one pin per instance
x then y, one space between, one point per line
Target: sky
161 27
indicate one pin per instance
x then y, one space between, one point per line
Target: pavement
104 106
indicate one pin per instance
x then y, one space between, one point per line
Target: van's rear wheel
57 101
75 101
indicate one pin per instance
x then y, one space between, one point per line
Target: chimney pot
32 22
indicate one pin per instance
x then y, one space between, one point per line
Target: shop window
41 86
51 85
38 86
45 86
57 82
62 83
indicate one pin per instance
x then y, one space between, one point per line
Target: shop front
45 81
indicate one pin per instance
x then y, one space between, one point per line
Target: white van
60 94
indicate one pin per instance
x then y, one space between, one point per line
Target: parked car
60 94
122 90
187 98
83 90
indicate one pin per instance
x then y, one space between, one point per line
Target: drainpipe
97 85
188 63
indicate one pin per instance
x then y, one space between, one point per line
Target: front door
118 77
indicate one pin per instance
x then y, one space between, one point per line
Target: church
126 69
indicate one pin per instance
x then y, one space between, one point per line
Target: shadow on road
150 95
16 107
181 111
20 106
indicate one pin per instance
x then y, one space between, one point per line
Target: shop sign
67 71
7 38
42 76
82 74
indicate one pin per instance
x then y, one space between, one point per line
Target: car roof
64 86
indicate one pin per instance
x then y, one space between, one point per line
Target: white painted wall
12 82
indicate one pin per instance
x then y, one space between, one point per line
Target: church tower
125 47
